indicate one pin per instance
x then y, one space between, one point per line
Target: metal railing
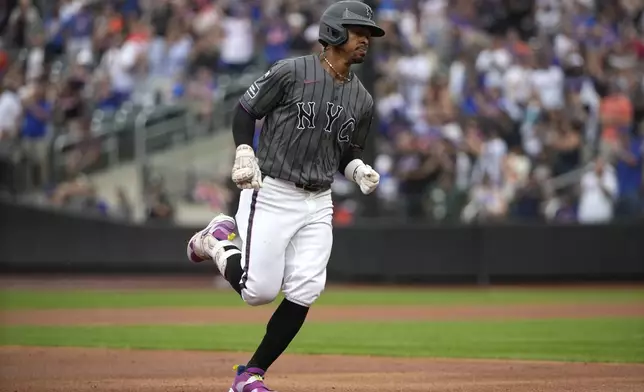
122 135
150 135
567 179
134 131
107 130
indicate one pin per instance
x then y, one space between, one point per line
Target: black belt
313 188
306 187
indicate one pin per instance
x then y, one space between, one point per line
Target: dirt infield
72 370
82 370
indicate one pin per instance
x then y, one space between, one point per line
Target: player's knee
260 297
307 295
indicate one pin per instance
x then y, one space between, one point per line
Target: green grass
602 340
67 299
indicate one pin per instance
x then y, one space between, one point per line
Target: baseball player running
317 118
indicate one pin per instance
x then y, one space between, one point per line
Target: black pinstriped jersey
311 120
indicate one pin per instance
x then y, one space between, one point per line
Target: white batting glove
367 178
363 175
246 173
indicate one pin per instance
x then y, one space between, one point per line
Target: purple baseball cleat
209 243
249 380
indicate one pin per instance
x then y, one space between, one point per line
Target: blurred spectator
123 209
419 165
168 58
616 116
528 200
78 29
205 52
438 99
126 60
516 85
494 104
487 203
10 107
548 82
35 132
87 151
276 33
237 46
548 16
491 155
516 171
35 63
534 89
565 211
413 71
447 201
159 208
630 172
53 34
71 103
79 195
200 93
23 21
565 141
299 43
492 63
212 193
598 193
106 99
108 23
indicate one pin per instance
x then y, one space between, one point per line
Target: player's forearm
243 127
351 169
349 157
363 175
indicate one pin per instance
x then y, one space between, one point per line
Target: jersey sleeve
359 139
266 92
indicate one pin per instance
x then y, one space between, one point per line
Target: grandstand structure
511 104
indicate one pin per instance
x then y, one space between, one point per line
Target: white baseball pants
287 236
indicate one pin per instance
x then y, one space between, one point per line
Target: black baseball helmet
336 18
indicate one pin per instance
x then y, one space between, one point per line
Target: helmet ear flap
332 36
344 36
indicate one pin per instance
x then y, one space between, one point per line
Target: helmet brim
376 31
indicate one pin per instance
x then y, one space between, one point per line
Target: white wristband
352 168
245 147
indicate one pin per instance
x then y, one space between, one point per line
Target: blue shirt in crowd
277 42
32 126
56 36
629 177
130 7
80 25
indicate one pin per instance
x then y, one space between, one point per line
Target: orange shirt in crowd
4 61
616 112
115 25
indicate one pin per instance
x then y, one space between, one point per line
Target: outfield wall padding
44 241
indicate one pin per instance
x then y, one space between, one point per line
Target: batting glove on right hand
246 173
367 178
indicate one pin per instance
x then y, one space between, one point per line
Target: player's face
357 45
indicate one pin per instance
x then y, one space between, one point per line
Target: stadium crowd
513 109
488 109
